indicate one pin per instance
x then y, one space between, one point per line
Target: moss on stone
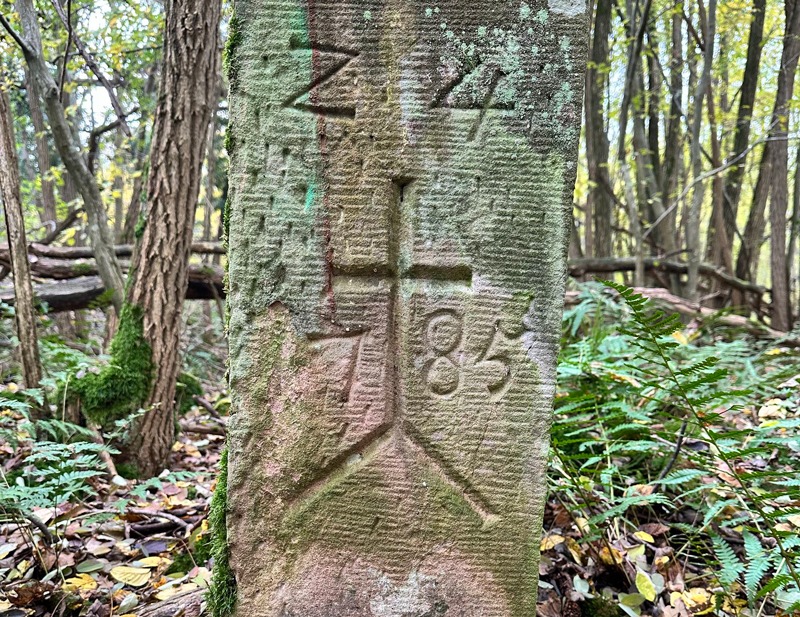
122 386
230 59
221 596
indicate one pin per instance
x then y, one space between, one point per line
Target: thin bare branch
95 68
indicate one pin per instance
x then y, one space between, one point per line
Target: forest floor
621 537
131 545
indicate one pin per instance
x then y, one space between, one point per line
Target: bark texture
741 136
160 266
15 228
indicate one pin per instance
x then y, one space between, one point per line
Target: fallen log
187 604
580 267
671 303
205 283
68 262
122 250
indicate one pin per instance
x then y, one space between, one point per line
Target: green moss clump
221 595
84 268
129 471
122 386
600 607
138 232
103 300
186 389
230 61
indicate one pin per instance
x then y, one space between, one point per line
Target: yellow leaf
575 550
551 542
644 536
645 586
636 552
696 596
662 561
680 337
152 562
82 582
135 577
583 525
775 351
610 558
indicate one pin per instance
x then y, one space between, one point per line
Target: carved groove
397 425
330 111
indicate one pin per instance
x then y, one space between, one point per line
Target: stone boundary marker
401 182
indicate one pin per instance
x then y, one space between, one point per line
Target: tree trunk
779 202
600 203
791 251
134 210
772 179
49 216
15 228
741 136
70 152
187 96
693 219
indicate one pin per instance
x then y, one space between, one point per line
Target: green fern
728 561
758 563
628 388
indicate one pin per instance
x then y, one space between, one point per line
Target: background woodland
673 482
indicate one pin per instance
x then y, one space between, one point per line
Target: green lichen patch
122 386
221 595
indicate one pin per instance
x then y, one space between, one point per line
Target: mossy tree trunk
160 265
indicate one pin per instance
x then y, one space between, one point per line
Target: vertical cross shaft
399 267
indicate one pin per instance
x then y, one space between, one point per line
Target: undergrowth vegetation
674 477
674 472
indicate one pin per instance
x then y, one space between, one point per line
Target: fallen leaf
631 599
551 542
643 536
82 582
6 550
613 557
645 586
696 597
135 577
635 552
91 565
654 529
575 550
153 562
